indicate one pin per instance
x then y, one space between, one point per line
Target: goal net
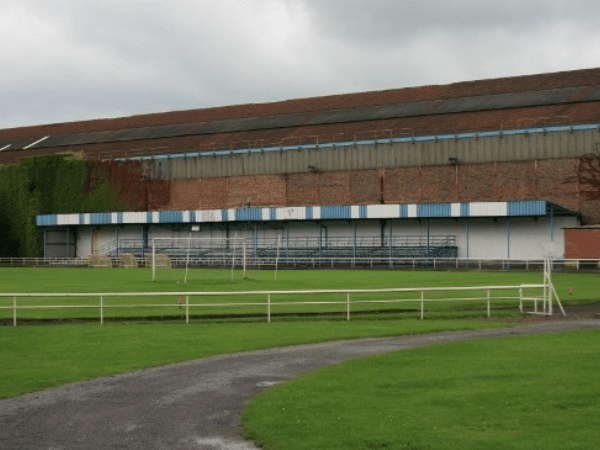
175 259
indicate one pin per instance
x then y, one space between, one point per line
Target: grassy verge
39 357
527 392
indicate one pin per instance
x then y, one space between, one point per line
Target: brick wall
582 243
553 180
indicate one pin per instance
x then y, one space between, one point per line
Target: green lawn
527 392
41 356
584 289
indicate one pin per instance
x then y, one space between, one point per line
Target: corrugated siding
170 217
209 216
488 209
335 212
433 210
291 213
362 212
135 217
46 220
101 218
382 211
527 208
254 214
67 219
341 212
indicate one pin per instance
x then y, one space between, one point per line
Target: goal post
186 252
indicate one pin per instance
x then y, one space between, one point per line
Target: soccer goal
173 257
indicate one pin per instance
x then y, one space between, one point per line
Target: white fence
272 299
587 265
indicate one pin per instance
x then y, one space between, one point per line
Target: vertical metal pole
269 307
422 304
101 311
187 309
508 238
14 311
521 299
153 259
348 306
391 238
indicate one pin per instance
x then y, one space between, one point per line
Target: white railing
269 302
344 262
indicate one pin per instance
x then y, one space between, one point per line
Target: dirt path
193 405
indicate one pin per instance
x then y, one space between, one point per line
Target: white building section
497 230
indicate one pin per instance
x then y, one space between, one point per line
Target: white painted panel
266 214
412 210
186 216
67 219
488 239
383 211
316 212
291 213
113 218
488 209
231 215
135 217
212 215
455 209
355 212
155 217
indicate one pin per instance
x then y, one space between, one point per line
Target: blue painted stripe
248 214
433 210
403 210
81 218
192 216
46 220
309 213
119 217
273 214
170 216
224 215
148 217
464 209
527 208
362 212
335 212
100 218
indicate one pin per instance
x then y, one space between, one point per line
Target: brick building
489 168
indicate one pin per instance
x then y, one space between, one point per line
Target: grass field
527 392
73 280
37 357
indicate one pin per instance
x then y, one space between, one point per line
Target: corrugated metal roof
513 100
295 120
594 95
373 113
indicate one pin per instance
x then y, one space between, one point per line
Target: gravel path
193 405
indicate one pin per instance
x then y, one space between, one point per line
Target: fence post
488 303
348 306
422 304
101 311
14 311
521 299
187 309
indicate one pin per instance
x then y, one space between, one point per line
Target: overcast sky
84 59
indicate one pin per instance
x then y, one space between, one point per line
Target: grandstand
477 169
